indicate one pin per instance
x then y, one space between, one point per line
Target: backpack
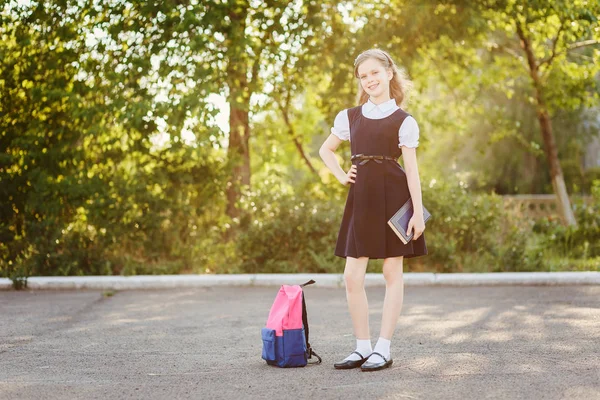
285 337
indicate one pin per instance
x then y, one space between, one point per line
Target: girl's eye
375 73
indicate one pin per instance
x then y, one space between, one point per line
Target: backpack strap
309 349
307 283
305 321
312 353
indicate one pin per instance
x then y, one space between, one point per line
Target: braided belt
365 159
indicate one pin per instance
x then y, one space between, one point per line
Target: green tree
86 186
555 45
46 114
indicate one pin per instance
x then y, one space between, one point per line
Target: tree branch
514 54
575 46
583 44
284 108
549 60
526 45
441 72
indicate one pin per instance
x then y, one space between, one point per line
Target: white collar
383 107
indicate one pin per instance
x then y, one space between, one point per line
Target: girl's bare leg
394 295
354 278
392 305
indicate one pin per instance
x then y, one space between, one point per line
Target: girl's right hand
349 177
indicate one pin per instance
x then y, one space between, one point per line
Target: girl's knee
354 273
354 280
392 269
392 278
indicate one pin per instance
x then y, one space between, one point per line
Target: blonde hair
400 84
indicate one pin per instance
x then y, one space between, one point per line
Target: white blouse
408 134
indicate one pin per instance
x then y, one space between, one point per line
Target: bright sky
222 120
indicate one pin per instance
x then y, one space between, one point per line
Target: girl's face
374 78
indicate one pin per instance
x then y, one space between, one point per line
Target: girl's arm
408 136
327 153
409 155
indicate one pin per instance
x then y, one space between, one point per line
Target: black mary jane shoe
349 364
370 366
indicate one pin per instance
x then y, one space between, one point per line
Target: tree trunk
238 151
556 174
238 155
558 181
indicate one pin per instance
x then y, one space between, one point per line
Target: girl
378 188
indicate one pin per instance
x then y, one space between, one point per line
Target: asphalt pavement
474 342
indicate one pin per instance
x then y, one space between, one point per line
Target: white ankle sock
364 347
382 347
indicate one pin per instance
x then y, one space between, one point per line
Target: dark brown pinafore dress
379 190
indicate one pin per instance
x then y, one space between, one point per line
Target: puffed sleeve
341 125
408 134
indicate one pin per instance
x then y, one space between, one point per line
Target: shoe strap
380 355
360 355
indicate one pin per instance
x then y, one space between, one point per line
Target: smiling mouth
373 87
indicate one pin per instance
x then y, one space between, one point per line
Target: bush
289 232
578 242
295 230
472 232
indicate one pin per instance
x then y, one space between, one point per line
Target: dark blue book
399 221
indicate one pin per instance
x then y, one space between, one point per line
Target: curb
323 280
